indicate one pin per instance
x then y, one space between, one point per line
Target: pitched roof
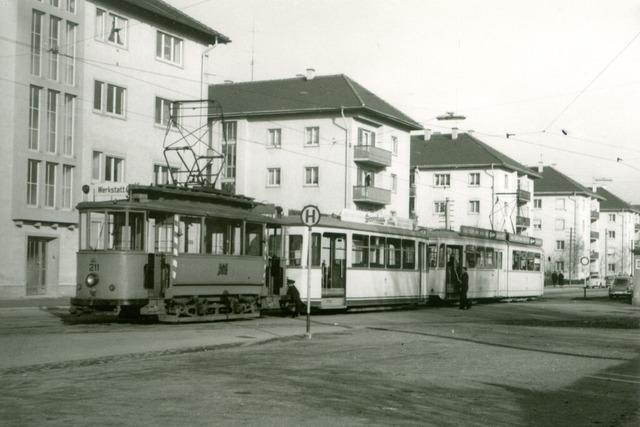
322 94
554 182
612 202
174 16
464 152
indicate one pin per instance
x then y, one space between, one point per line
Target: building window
560 204
366 137
71 6
559 224
69 124
311 176
312 136
168 48
165 112
33 169
107 168
394 145
163 174
36 42
54 40
439 207
229 131
50 185
109 98
275 138
560 244
611 234
34 117
612 217
52 121
111 28
273 177
70 72
442 179
537 203
611 268
394 183
559 265
67 185
506 182
474 206
474 179
537 224
54 3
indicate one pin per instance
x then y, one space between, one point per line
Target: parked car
594 281
622 287
608 281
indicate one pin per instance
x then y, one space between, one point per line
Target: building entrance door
36 265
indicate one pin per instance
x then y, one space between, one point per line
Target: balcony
523 222
371 156
594 256
595 215
595 236
371 195
524 196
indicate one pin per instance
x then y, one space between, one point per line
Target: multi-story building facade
457 180
87 87
563 216
323 140
618 225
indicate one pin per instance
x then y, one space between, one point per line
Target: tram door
454 270
334 264
422 268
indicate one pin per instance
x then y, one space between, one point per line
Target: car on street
595 281
622 287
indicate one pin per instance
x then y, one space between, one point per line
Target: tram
180 253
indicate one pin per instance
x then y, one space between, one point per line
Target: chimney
540 167
427 134
594 188
311 73
454 133
228 82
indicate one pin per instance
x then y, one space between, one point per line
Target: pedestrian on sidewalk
554 278
465 303
561 279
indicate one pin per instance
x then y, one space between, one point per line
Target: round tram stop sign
310 215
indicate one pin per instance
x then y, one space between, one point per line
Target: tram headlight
91 280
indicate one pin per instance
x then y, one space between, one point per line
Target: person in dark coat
295 304
465 304
554 278
561 279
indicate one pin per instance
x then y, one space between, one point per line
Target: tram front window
124 233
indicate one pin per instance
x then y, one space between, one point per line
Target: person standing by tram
554 278
465 303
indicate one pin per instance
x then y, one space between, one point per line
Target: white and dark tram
357 265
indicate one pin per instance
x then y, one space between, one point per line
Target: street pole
570 254
309 283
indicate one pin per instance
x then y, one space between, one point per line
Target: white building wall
616 248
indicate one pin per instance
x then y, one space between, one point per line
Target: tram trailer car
181 254
365 265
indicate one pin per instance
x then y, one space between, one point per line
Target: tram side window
394 253
432 256
360 251
471 256
189 235
254 239
408 254
96 230
295 250
526 261
222 237
537 262
118 233
274 241
164 233
441 257
316 248
480 258
489 259
137 226
376 252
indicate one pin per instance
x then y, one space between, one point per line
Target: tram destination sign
483 233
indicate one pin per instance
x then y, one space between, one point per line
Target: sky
560 76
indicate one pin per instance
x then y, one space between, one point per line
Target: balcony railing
595 215
523 221
524 196
371 156
371 195
594 255
595 236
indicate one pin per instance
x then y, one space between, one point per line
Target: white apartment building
456 179
322 140
619 226
87 88
563 216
